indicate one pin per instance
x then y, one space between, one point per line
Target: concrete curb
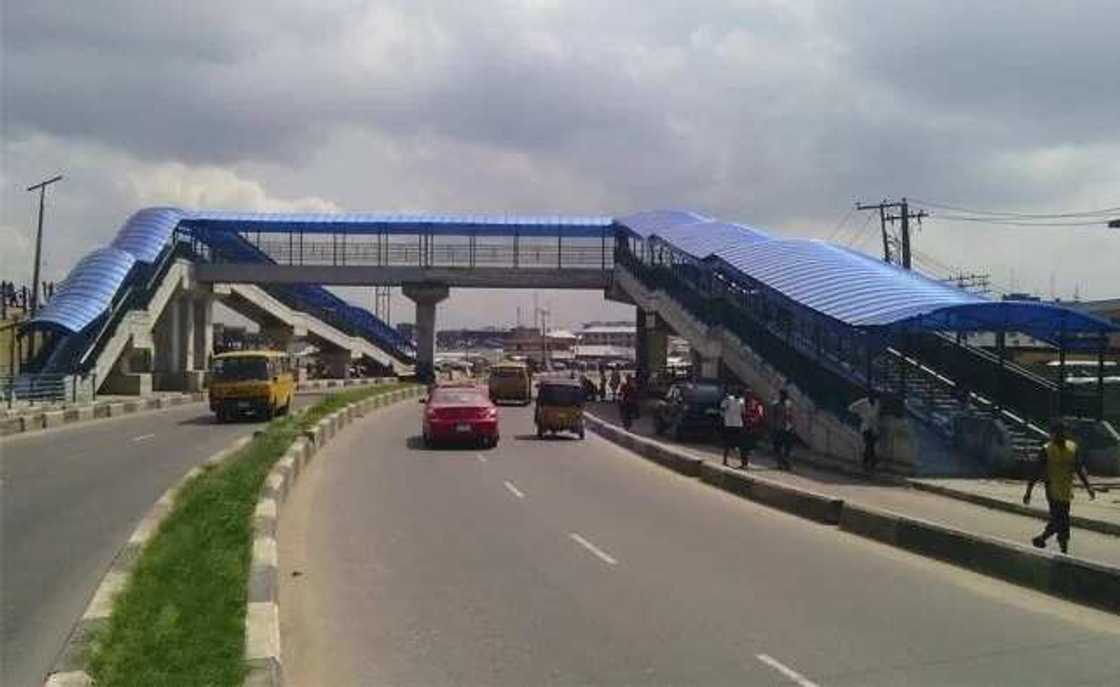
1078 580
69 667
1017 508
262 618
57 417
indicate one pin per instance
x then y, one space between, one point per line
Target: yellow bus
510 381
260 383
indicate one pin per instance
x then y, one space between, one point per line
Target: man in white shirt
731 409
868 410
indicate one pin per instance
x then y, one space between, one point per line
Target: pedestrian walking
754 424
732 409
781 414
1058 459
869 411
616 382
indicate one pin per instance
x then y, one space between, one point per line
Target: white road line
142 437
602 555
514 490
481 458
796 677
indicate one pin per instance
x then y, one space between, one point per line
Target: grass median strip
180 620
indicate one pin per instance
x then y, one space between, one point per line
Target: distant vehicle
689 409
259 383
511 382
559 407
459 414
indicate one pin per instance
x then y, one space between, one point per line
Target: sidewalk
899 497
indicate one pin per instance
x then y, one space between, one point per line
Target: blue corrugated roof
653 221
710 238
147 232
88 290
394 223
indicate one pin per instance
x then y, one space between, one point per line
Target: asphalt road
69 499
575 562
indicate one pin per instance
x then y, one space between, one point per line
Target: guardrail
34 388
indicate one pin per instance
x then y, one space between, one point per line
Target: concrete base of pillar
126 384
189 380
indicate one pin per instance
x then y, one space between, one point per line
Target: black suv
690 408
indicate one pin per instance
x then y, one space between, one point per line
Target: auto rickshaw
559 407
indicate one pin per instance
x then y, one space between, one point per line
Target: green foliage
180 620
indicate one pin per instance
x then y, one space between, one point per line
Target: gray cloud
779 115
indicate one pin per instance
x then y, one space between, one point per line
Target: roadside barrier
1074 579
262 619
49 418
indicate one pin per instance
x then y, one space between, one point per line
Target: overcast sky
777 114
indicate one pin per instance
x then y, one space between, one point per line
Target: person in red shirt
754 424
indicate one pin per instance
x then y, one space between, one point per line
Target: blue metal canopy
87 291
851 287
388 223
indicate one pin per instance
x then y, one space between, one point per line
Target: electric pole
41 187
904 215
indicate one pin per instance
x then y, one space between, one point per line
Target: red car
460 414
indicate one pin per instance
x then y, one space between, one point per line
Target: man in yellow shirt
1057 461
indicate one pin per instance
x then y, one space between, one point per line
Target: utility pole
904 215
41 187
882 226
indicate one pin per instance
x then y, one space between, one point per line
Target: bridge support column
203 315
337 362
652 345
426 296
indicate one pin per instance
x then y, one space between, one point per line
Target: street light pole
41 187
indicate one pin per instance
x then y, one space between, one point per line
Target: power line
856 233
840 224
1017 223
1020 215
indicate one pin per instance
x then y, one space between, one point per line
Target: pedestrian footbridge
824 321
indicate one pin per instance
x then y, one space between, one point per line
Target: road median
51 417
185 592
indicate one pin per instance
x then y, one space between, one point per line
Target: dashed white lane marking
794 676
481 458
142 437
514 490
599 553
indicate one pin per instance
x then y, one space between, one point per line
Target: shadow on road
416 443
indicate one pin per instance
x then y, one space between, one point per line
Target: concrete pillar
174 336
186 331
337 362
652 344
426 296
203 314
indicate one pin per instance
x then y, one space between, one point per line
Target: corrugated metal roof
87 291
710 238
860 291
147 232
652 221
396 223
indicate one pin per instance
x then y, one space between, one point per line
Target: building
620 334
528 343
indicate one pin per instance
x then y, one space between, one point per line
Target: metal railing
587 254
34 388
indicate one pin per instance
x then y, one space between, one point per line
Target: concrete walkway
899 497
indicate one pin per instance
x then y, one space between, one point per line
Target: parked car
689 409
459 414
